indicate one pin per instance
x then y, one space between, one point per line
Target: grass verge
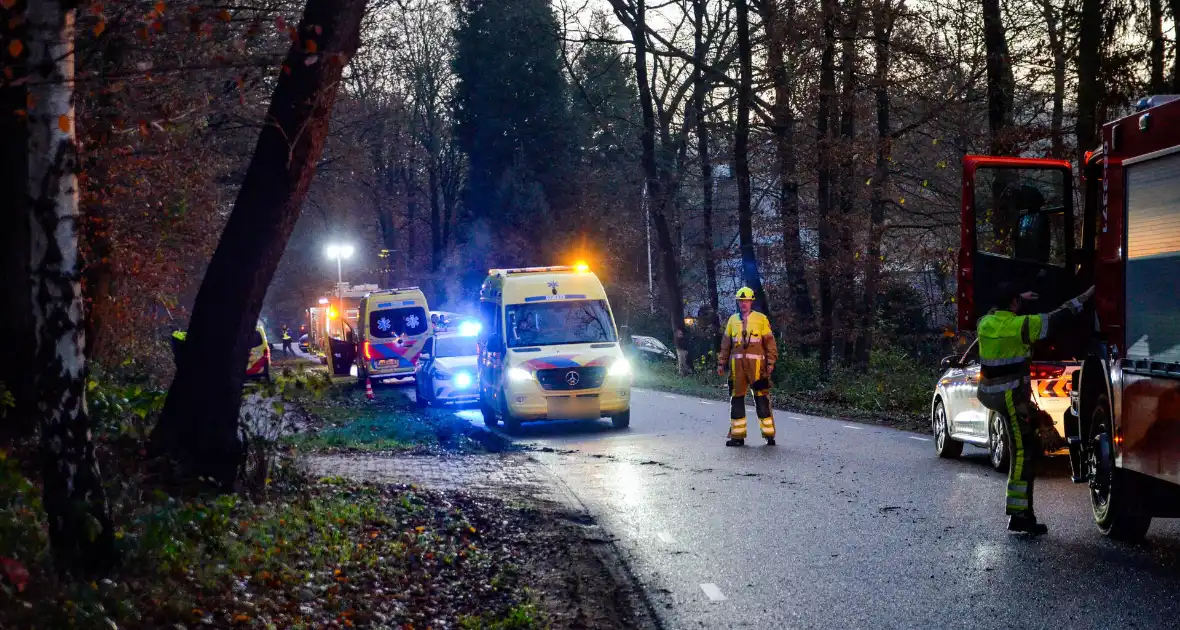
894 391
314 554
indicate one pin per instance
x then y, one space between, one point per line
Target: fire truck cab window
1020 214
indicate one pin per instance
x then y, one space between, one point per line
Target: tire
420 398
489 415
1115 496
622 420
998 449
946 447
511 422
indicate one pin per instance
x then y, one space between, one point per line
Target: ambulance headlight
519 375
622 367
462 380
469 328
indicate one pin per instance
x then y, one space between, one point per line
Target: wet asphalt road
845 525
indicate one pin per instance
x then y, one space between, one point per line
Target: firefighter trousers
1015 407
737 404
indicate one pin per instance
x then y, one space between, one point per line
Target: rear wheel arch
1094 385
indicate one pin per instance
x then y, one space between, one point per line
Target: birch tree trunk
199 425
75 503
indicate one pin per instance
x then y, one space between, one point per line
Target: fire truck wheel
1114 493
943 444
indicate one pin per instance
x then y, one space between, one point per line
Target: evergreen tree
514 124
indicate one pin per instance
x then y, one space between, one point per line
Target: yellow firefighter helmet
745 293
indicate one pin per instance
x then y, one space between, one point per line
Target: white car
957 417
447 371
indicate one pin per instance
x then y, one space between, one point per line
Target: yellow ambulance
549 348
393 326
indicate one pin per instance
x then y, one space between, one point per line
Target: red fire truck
1019 224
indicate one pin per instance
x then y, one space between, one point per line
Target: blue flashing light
469 328
462 380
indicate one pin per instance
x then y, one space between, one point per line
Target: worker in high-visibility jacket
748 354
1006 336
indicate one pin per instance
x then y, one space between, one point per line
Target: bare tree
1054 30
1001 84
741 157
778 18
827 253
199 424
884 16
700 93
1089 62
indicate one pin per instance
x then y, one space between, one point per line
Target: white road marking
713 592
920 439
665 538
705 402
849 426
669 396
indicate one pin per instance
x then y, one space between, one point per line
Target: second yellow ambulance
549 348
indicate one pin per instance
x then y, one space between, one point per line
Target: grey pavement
844 525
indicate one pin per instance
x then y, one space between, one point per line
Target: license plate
385 363
574 409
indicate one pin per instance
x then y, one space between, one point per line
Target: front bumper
447 392
527 400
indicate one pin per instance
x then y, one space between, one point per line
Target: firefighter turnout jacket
748 349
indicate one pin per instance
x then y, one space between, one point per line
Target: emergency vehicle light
323 300
541 269
582 267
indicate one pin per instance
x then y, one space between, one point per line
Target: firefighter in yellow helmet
748 353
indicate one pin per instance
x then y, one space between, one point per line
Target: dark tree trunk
1057 48
657 182
1156 17
436 242
883 19
199 425
80 528
1000 82
700 91
1174 9
778 16
827 89
16 323
741 160
1089 67
846 269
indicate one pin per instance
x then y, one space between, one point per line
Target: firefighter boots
1026 524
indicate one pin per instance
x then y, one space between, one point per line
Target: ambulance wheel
489 415
1115 494
622 420
420 398
511 422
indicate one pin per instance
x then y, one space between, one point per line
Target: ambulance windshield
551 323
388 323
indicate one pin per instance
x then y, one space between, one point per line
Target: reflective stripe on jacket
750 343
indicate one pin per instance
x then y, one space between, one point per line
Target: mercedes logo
572 378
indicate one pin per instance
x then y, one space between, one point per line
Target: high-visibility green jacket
1006 340
179 335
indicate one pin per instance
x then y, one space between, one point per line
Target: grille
556 379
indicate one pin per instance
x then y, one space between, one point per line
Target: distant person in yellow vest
748 353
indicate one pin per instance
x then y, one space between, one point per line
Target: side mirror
950 362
